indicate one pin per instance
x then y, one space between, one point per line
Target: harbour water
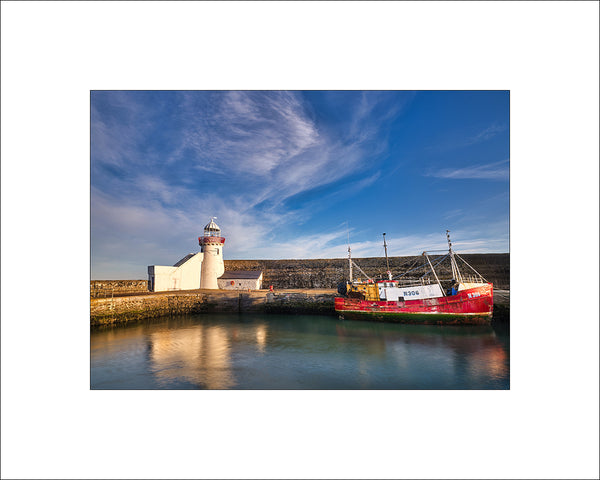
242 351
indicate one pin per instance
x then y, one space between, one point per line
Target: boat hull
473 306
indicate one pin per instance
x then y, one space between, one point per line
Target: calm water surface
231 351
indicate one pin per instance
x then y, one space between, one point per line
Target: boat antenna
387 262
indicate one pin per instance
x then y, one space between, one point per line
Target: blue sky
295 174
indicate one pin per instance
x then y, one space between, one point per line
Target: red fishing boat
417 297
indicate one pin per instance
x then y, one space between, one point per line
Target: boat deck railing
405 282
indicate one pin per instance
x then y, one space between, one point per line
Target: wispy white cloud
249 133
457 140
268 144
485 134
265 142
334 244
490 171
116 134
458 212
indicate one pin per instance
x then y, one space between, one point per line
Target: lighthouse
203 269
211 245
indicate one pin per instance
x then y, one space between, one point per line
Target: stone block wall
105 311
327 273
108 288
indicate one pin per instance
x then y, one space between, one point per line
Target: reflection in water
200 355
297 352
431 356
489 362
261 337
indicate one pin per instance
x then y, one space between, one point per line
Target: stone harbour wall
119 310
105 311
327 273
108 288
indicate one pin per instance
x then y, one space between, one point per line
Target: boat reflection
467 354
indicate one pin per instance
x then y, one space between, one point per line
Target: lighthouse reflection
201 354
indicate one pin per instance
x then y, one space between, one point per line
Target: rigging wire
421 266
479 274
361 270
442 259
408 271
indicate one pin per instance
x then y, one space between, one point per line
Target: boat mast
387 262
349 253
455 271
350 262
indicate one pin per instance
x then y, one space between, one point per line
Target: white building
241 280
184 275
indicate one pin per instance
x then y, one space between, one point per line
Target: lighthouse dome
212 228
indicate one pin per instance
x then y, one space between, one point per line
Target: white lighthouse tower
212 247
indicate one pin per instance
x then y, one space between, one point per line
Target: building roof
184 259
241 274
